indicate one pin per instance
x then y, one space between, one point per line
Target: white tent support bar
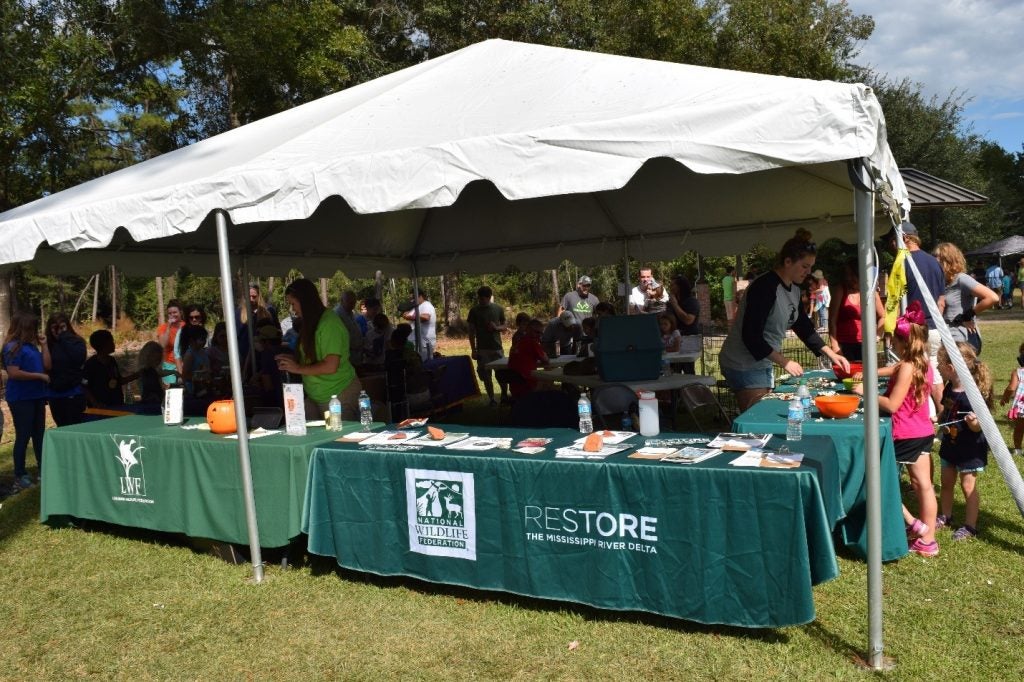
227 297
864 211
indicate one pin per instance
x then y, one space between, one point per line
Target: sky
975 47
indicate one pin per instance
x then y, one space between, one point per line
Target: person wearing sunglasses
771 307
64 360
195 316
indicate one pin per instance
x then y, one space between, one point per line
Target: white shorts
934 343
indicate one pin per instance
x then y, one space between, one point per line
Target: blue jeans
29 418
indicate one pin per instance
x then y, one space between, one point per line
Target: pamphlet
354 437
576 451
480 443
390 438
609 437
738 442
294 409
533 443
174 404
449 438
769 460
257 433
653 453
692 455
528 450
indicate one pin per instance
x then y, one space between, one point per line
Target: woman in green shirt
323 354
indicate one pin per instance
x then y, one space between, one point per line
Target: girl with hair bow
906 399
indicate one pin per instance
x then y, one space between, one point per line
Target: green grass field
96 603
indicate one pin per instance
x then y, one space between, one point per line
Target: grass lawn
95 603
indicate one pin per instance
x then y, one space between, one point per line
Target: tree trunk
160 300
13 283
113 297
450 289
554 292
5 306
96 297
271 281
74 313
323 290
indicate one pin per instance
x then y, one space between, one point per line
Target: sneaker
965 533
926 549
943 521
1016 452
493 403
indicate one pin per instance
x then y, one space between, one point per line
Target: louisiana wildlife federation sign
441 507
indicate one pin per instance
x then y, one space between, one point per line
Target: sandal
917 529
943 521
925 549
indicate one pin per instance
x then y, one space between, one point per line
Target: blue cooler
628 348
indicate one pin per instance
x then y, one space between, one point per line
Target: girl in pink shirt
913 433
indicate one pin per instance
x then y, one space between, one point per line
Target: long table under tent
137 472
705 541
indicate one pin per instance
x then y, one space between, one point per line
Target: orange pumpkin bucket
221 416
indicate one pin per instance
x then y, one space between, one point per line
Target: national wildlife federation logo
132 485
442 513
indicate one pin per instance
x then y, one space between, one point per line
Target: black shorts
907 451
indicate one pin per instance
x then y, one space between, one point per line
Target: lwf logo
129 454
441 513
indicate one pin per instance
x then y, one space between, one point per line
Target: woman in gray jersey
965 296
770 307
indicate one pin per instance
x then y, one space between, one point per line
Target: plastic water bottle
666 368
795 420
583 408
334 414
365 411
805 398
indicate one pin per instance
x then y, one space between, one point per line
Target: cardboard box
628 348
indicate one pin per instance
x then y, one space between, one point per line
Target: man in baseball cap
561 335
580 302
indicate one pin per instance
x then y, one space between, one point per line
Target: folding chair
696 396
612 399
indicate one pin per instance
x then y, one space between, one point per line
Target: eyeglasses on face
195 317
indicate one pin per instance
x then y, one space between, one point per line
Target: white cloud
971 46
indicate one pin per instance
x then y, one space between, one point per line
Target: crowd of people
327 350
574 330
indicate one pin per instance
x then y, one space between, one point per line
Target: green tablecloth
707 542
769 416
184 481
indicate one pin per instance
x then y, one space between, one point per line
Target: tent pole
868 268
227 297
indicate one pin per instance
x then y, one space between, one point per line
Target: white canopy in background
499 154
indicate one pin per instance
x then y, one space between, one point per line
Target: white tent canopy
499 154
